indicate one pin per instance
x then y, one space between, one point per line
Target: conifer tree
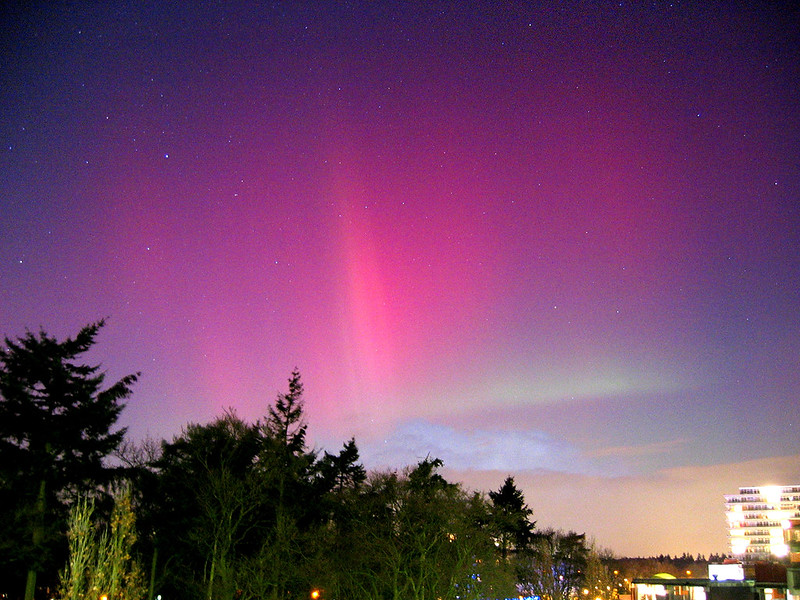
55 430
510 519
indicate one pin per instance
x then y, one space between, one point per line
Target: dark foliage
510 519
56 425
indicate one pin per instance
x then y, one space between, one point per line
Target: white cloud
479 449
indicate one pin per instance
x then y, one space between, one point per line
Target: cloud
501 448
641 450
479 449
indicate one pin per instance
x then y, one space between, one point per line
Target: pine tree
285 423
55 431
510 519
343 471
287 465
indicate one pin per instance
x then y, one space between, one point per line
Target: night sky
559 241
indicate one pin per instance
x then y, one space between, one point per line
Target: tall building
792 536
757 517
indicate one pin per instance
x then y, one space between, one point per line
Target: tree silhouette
55 431
510 519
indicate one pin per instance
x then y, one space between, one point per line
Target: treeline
685 565
237 510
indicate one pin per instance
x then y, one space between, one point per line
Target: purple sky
557 240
